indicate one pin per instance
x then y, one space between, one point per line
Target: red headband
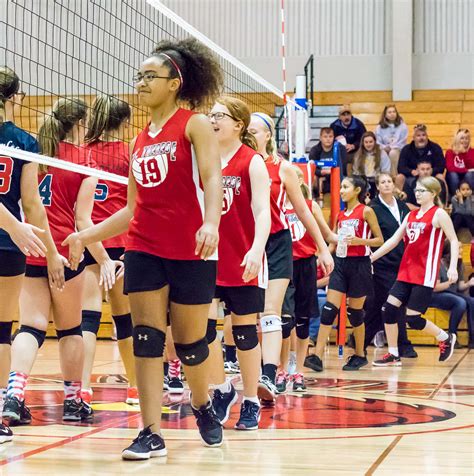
176 67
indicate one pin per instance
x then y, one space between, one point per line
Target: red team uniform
361 229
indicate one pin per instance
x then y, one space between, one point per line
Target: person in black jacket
390 214
420 149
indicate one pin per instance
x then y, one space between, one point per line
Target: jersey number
101 192
6 171
45 190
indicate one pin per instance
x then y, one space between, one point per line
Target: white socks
443 335
393 351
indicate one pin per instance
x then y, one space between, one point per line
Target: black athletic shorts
33 271
352 276
190 281
304 281
288 307
242 300
279 250
414 296
114 254
12 263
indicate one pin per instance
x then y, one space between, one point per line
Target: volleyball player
18 181
242 273
279 250
352 275
170 258
106 130
423 230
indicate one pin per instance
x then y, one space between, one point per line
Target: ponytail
249 139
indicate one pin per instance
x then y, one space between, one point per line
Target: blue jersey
10 174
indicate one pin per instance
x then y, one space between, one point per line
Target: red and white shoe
132 396
86 395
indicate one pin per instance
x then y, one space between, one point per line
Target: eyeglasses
218 116
147 77
21 94
421 190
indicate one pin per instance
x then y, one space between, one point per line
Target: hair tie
176 67
265 121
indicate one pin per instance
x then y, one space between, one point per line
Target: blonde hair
457 147
271 146
304 187
240 112
432 185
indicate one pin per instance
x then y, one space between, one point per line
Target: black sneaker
5 433
222 403
145 446
175 385
408 352
77 411
249 416
355 362
388 360
166 383
210 427
446 347
313 362
266 389
16 412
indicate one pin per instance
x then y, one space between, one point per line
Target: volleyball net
83 49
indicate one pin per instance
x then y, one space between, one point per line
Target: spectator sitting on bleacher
324 149
420 149
423 169
392 135
370 160
463 208
460 161
453 297
348 130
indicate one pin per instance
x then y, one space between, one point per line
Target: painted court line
385 453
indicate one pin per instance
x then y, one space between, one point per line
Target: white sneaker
231 368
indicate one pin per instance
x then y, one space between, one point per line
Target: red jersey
110 197
277 196
355 221
459 163
58 189
303 245
169 206
237 227
423 249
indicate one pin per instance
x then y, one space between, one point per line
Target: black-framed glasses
218 116
421 190
21 95
147 77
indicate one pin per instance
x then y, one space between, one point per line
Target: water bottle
341 250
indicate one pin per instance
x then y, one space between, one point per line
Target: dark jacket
317 150
353 133
388 226
409 158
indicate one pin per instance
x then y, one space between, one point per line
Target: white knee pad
270 323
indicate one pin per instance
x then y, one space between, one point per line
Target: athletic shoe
77 411
408 352
132 396
16 412
209 426
249 416
355 362
222 403
313 362
298 383
145 446
5 433
231 368
446 347
379 339
388 360
86 395
165 383
266 390
175 386
281 382
292 364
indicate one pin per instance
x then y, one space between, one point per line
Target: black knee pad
329 314
192 354
302 327
245 336
124 326
91 321
355 316
75 331
211 332
390 313
36 333
287 324
416 322
6 332
148 342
